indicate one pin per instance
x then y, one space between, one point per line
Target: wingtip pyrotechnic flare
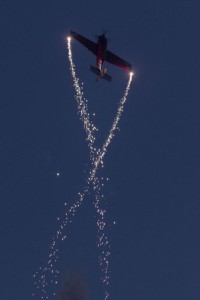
131 74
69 38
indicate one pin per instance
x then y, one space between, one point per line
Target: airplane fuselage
101 52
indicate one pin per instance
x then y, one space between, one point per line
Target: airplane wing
85 42
116 60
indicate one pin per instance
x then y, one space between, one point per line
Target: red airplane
102 54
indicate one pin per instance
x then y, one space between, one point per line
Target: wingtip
72 32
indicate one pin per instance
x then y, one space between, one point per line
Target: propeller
104 31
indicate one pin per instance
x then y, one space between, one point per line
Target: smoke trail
74 288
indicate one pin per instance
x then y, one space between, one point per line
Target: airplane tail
99 75
106 77
95 70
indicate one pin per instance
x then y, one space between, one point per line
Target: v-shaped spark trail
48 274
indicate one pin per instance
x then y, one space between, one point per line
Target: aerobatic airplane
102 54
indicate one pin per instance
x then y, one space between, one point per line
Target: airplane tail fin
98 73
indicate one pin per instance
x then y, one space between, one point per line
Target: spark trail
102 242
97 159
48 274
102 152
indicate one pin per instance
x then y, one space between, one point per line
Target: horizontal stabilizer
99 75
95 70
106 77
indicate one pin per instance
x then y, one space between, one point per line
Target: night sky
153 192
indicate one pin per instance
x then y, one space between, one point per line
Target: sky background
153 162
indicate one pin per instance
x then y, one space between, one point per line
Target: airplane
102 54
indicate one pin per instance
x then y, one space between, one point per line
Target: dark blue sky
153 162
